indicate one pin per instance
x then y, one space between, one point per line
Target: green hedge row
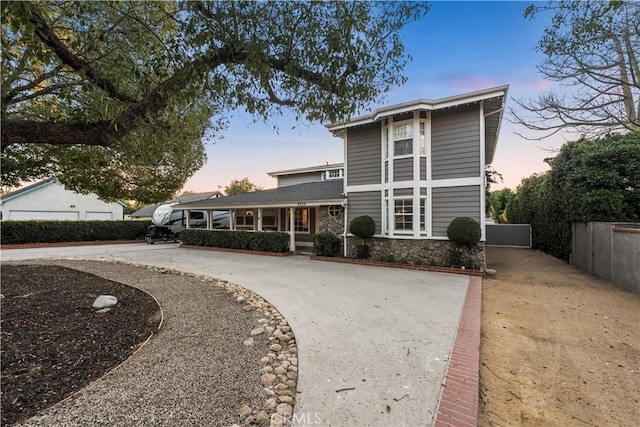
38 231
255 241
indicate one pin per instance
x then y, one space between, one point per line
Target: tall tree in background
239 186
591 48
115 97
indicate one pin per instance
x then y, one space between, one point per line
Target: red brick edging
458 404
239 251
398 265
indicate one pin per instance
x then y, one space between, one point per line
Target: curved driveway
373 342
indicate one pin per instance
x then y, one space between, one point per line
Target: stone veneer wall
412 251
332 224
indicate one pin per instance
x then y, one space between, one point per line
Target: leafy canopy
116 97
239 186
590 180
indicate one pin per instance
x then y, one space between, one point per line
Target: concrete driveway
383 334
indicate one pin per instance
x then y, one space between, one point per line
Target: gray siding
451 202
364 155
423 168
365 203
455 143
403 169
299 178
403 192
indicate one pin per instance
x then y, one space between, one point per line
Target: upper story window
332 174
403 139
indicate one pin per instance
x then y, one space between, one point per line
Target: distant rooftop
319 168
147 211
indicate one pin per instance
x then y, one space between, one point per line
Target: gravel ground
197 371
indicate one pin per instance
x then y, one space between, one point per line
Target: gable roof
309 193
147 211
493 100
36 186
26 190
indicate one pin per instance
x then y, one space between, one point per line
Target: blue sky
458 47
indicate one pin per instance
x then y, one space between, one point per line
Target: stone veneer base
398 265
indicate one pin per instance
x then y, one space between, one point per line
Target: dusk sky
458 47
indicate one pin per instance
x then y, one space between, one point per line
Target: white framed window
244 219
403 214
270 219
423 214
403 139
333 174
422 143
301 220
334 210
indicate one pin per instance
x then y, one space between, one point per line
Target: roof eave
421 104
291 204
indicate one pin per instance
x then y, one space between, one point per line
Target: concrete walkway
382 334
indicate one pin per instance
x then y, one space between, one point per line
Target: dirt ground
53 341
559 347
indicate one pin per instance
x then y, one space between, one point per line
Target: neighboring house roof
309 193
147 211
493 102
26 190
319 168
36 186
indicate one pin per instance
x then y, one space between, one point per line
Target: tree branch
49 37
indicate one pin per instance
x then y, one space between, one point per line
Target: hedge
38 231
255 241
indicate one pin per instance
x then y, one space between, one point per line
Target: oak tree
116 97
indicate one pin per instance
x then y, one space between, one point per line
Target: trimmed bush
255 241
465 232
326 244
15 232
362 226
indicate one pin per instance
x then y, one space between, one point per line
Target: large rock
105 301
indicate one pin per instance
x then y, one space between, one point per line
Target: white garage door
24 215
103 216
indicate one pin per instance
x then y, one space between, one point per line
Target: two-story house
412 167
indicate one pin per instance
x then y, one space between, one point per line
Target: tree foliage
591 48
498 202
239 186
129 89
590 180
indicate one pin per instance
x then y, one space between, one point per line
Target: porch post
259 219
187 225
232 219
292 226
209 220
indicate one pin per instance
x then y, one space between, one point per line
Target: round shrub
362 226
464 231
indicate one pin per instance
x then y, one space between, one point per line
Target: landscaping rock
248 342
104 301
257 331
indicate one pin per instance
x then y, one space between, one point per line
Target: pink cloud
460 81
540 84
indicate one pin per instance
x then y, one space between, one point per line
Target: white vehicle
168 223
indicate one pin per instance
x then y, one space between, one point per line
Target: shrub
255 241
464 232
363 226
326 244
38 231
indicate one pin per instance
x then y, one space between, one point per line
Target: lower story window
423 214
301 220
403 214
269 219
244 219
